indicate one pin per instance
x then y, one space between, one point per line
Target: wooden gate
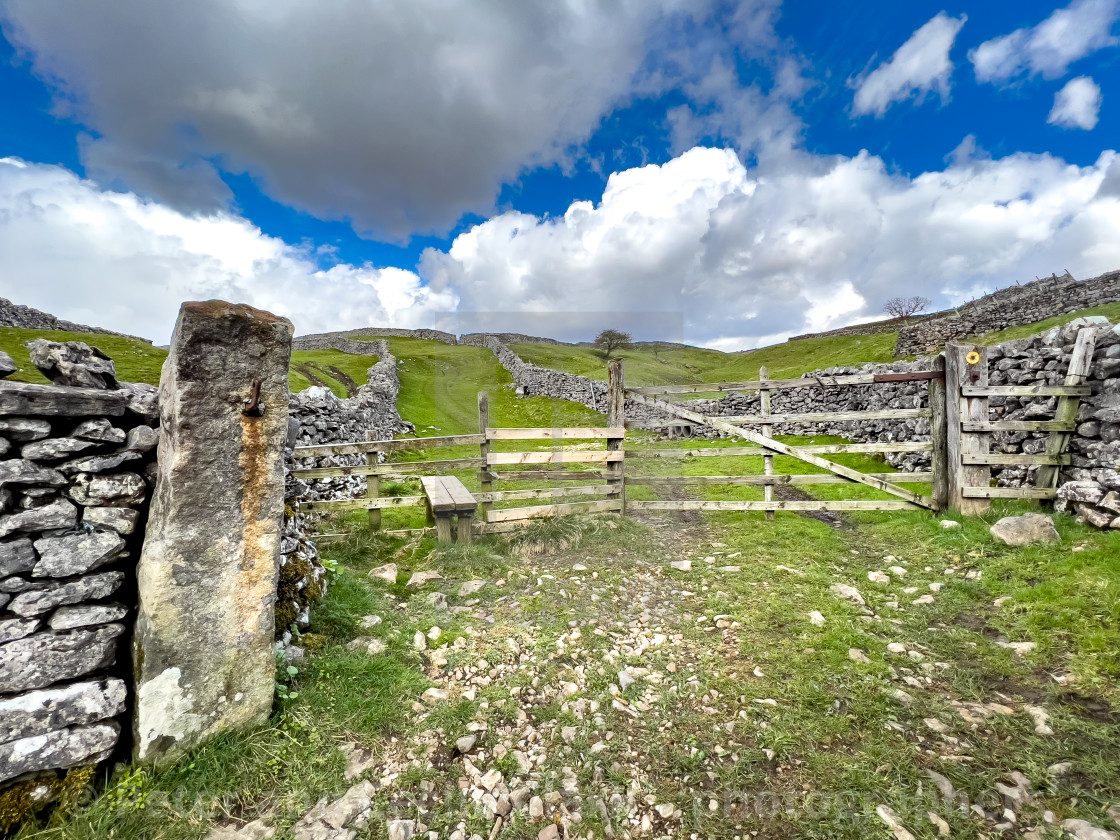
970 427
767 447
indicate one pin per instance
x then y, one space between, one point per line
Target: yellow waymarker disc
972 358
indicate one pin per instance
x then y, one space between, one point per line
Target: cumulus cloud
397 114
703 247
917 67
1077 105
750 260
1081 28
113 260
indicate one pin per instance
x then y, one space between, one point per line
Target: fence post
959 372
938 433
1066 411
373 486
767 431
484 450
616 419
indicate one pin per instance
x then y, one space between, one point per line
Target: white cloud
112 260
1083 27
917 67
1077 105
751 260
398 114
745 256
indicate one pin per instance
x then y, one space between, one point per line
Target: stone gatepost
202 650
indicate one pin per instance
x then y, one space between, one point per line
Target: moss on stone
313 641
17 805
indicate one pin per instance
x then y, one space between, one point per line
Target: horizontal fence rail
815 504
785 384
401 445
829 416
1026 390
546 433
816 449
800 478
562 457
547 493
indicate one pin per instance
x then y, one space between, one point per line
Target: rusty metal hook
253 405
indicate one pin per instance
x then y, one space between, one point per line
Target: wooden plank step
545 433
464 500
439 498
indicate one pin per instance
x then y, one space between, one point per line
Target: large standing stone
208 571
73 363
78 704
62 748
75 554
1027 529
43 659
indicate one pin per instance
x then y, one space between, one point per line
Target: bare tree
610 340
904 307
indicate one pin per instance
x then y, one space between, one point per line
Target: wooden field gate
959 446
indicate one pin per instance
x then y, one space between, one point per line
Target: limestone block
114 490
53 449
7 365
208 571
58 515
75 554
73 363
17 628
62 748
43 659
100 430
142 439
86 615
21 472
47 596
16 556
1027 529
121 520
45 710
24 428
98 463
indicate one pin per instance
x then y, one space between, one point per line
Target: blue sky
777 167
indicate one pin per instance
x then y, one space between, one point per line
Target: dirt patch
789 493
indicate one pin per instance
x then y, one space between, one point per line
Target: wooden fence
959 446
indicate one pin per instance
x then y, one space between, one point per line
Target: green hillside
646 365
138 361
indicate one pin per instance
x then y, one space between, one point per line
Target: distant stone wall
875 327
74 492
480 339
1010 307
334 342
24 317
320 341
317 416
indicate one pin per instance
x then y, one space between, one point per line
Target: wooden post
373 486
484 450
1066 411
938 433
962 409
616 419
767 431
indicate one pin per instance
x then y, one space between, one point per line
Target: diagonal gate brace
784 449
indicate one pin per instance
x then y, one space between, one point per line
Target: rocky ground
670 680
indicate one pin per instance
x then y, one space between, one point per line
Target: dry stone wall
1039 359
321 341
1010 307
75 479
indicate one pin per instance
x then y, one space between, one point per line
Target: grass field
743 716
